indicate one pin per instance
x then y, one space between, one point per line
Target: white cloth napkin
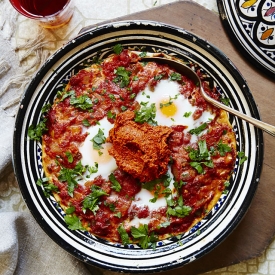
26 250
9 67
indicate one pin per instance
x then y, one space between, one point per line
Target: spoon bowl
183 69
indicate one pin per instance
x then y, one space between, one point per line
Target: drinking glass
48 13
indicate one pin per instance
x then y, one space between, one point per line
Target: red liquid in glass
39 7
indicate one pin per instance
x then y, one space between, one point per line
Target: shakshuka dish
132 152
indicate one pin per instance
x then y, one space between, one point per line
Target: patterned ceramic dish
218 223
251 24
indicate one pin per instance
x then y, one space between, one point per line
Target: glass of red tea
49 13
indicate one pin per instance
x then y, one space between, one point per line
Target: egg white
90 156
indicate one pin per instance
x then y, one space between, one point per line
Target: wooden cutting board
257 229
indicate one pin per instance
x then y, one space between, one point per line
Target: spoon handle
270 129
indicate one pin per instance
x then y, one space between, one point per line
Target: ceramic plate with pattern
225 215
251 24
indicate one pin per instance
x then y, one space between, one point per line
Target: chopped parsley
146 114
67 94
175 76
82 102
98 140
111 206
73 222
242 157
141 234
115 184
118 48
170 102
177 208
223 148
187 114
164 224
159 77
36 132
225 100
93 169
226 185
156 186
118 215
132 96
69 157
198 130
48 187
86 122
123 235
111 115
200 157
96 59
112 97
70 176
143 54
123 108
46 108
92 200
70 210
179 184
122 78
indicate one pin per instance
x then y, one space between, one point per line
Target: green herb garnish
143 54
225 100
118 48
98 140
48 187
242 157
93 169
123 108
69 157
223 148
198 130
146 114
70 176
70 210
123 235
112 97
141 234
46 108
115 184
67 94
159 77
86 123
92 200
82 102
123 77
36 132
175 76
177 208
200 157
187 114
73 222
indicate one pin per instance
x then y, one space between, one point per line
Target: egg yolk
102 155
168 108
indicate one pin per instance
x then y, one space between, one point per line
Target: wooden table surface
256 230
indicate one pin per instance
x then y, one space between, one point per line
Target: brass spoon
181 68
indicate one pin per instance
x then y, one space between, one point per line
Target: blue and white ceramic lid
151 37
251 24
